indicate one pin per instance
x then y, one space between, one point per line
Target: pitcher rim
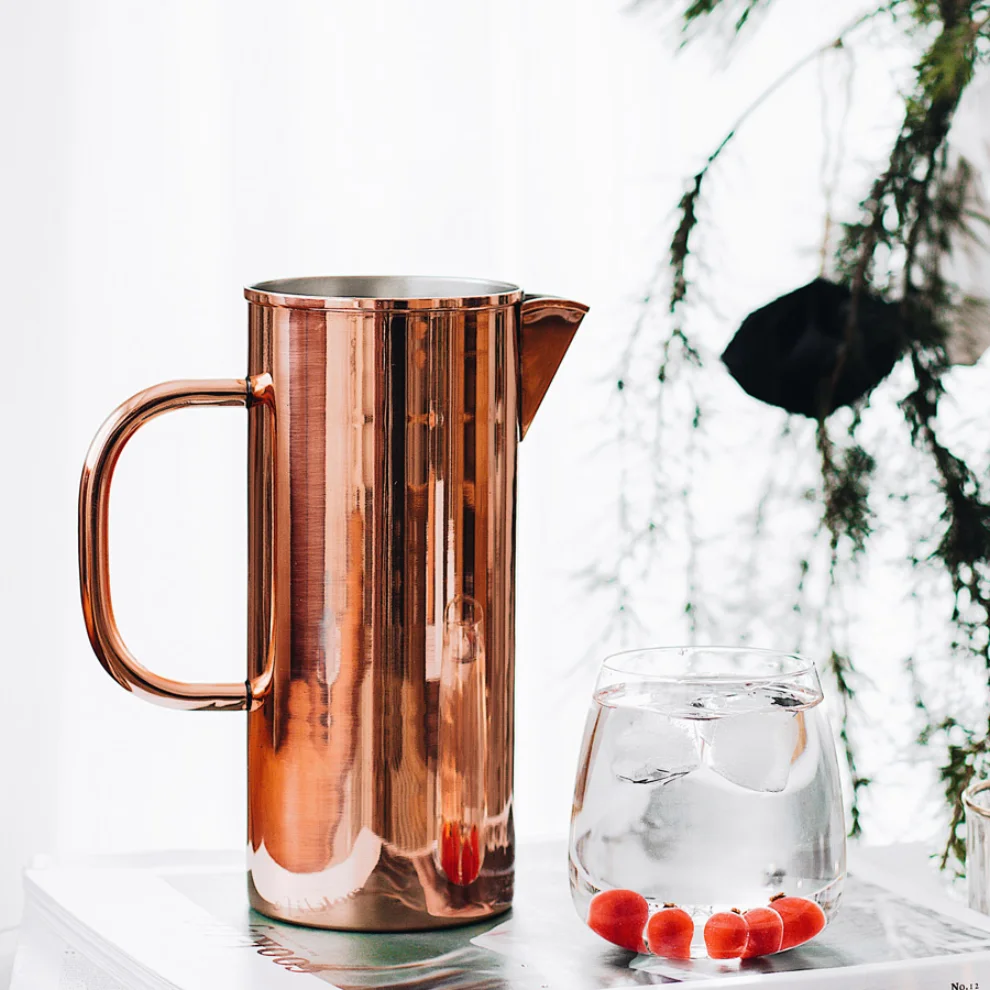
383 292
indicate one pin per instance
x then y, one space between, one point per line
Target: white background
157 157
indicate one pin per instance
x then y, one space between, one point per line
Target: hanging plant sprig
828 344
839 479
912 213
687 208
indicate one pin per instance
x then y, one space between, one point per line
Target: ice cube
648 774
752 749
655 749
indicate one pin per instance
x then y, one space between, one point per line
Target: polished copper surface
383 419
546 329
383 293
94 559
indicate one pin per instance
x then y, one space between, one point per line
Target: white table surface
8 945
913 860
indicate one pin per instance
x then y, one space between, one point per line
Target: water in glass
714 789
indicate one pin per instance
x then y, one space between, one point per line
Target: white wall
37 531
167 154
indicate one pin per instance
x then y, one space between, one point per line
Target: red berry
669 933
766 932
725 935
803 919
619 916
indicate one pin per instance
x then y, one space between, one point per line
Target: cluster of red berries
622 917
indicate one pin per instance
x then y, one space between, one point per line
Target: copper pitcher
383 418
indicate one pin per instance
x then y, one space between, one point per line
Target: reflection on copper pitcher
383 419
462 743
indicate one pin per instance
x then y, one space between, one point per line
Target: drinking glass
707 816
976 800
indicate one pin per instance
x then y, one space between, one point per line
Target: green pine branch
913 211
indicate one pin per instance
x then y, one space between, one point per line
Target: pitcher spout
546 329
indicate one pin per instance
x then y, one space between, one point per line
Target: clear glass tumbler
707 816
976 800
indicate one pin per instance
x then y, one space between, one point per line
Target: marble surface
8 946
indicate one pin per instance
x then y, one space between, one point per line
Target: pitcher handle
94 560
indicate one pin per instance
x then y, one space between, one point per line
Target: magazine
183 922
